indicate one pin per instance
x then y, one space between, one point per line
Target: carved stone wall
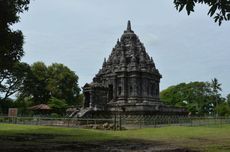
128 75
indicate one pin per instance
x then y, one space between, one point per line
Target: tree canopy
198 97
228 98
12 72
63 83
218 9
216 87
12 80
11 42
35 85
58 105
56 80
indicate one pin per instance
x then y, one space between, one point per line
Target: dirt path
44 143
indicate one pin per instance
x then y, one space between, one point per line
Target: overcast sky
80 33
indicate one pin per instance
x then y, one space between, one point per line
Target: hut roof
40 107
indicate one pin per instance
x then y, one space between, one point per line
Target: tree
5 105
11 47
63 83
80 100
45 82
12 80
57 105
23 104
228 98
223 109
216 87
195 96
35 85
11 42
221 8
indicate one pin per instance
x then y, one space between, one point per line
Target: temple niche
128 81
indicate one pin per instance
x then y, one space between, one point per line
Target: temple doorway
87 99
110 97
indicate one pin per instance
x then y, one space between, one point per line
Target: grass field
211 139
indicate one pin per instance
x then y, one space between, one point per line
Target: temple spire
104 63
129 29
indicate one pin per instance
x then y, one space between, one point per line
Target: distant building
128 82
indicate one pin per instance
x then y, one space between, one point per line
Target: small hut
41 109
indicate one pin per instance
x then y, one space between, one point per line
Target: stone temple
128 82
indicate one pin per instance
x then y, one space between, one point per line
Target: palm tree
228 98
216 87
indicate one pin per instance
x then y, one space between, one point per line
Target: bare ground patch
44 143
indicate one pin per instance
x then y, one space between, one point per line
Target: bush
55 115
223 109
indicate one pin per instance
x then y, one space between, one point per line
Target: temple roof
129 54
129 29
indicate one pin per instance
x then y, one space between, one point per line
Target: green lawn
211 139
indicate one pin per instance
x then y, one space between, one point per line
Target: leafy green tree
11 42
216 88
57 105
23 104
80 100
63 83
12 72
219 8
223 109
45 82
228 99
195 96
11 48
13 79
5 105
35 85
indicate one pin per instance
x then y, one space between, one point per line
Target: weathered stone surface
128 80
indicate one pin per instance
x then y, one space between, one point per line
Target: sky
80 33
